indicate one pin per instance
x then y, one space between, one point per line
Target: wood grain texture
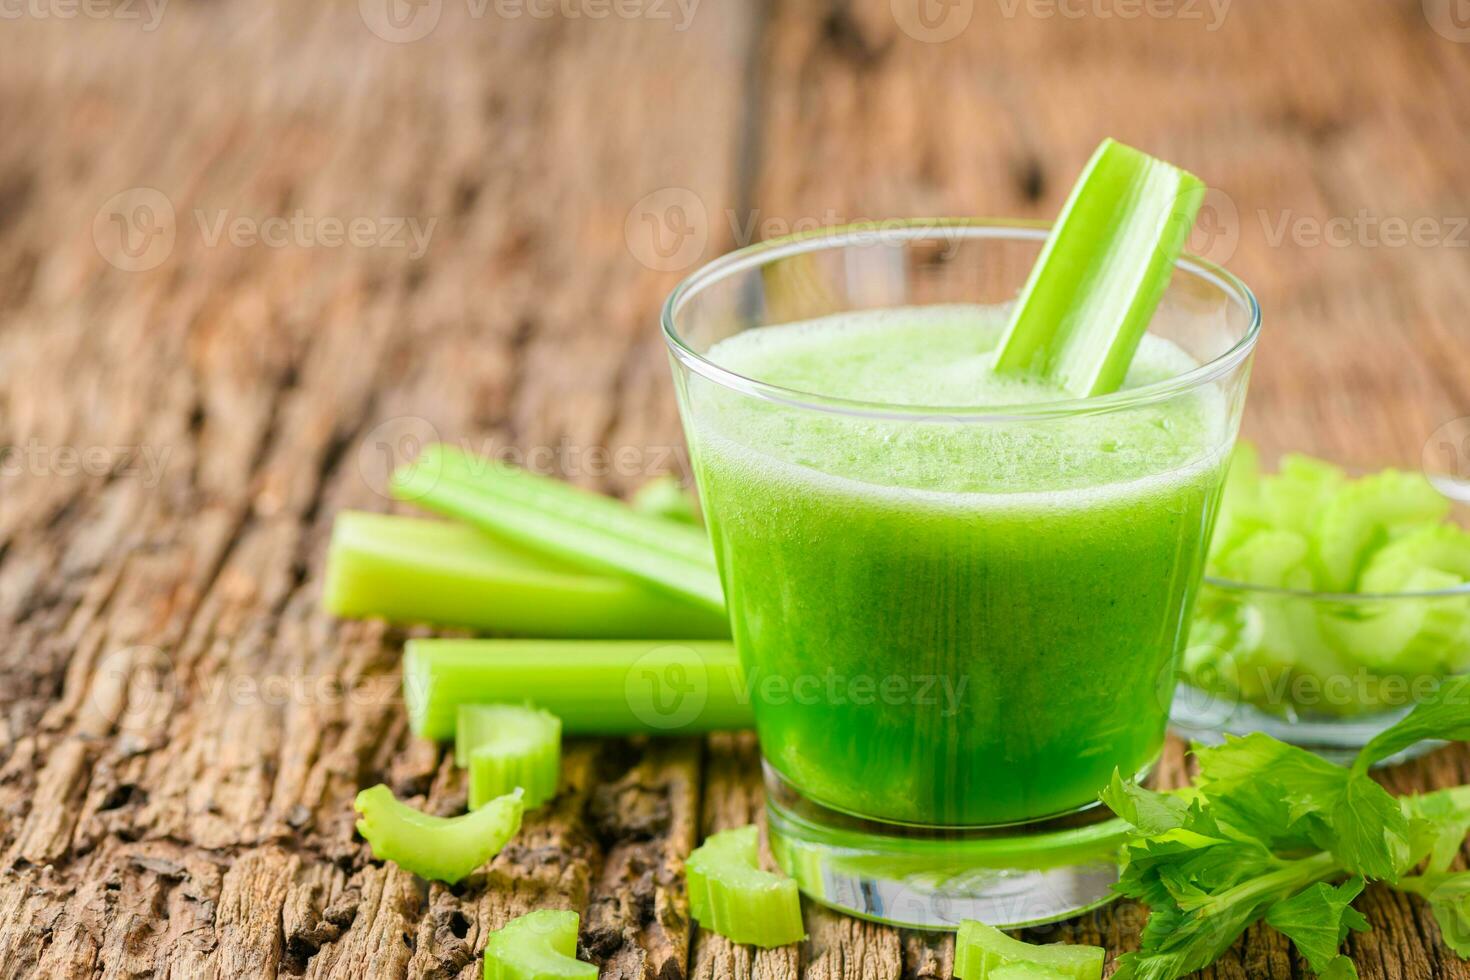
187 397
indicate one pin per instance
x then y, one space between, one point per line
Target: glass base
1201 716
933 878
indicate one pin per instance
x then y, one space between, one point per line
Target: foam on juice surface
942 356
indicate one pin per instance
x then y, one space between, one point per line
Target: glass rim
914 229
1337 598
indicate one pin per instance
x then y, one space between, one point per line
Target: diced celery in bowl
1332 602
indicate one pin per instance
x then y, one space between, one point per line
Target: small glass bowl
1312 668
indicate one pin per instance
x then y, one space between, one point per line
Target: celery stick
606 687
442 848
1364 515
586 529
666 497
1103 271
1433 547
538 946
1299 491
1026 971
729 893
1273 558
1405 634
1241 509
508 746
410 570
981 951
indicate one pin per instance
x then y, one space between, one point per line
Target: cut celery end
493 774
411 570
1102 273
441 848
980 951
1026 971
730 895
1270 558
665 496
1440 547
1363 514
1379 537
539 946
595 687
1406 635
509 727
1293 498
1240 502
588 530
506 747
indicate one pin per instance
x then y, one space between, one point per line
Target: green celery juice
942 622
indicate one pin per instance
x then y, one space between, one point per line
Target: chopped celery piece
596 687
586 529
1273 558
1102 273
1240 502
1362 516
1026 971
1297 494
1404 612
665 497
539 946
1438 547
980 951
441 848
729 893
410 570
1407 634
508 747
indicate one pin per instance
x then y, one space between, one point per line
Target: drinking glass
955 622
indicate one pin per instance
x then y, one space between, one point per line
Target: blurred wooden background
251 252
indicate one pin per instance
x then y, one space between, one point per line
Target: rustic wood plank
173 680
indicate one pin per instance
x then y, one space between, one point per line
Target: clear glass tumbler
955 622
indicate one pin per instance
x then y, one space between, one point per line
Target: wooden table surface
252 252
